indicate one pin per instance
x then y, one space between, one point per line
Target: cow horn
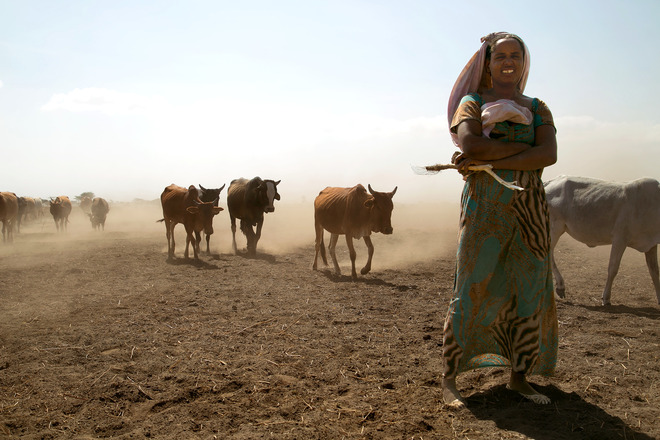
393 192
201 187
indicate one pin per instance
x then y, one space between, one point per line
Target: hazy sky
122 98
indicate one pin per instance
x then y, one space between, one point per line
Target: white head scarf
474 77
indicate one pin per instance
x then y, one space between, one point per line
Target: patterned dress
503 311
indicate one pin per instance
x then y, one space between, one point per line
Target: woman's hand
463 163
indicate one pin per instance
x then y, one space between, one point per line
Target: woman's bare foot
519 383
450 394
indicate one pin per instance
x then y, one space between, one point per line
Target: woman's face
506 62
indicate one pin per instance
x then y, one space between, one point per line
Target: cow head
204 212
381 207
210 194
55 205
271 194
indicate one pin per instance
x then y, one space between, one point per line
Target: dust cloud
421 232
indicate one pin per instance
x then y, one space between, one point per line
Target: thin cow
60 208
99 212
354 213
597 212
8 214
208 195
182 205
248 200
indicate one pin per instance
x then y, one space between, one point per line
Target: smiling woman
503 311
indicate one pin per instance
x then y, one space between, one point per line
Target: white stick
433 169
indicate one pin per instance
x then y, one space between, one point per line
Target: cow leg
331 248
257 235
652 264
208 246
198 238
190 237
557 228
170 238
351 252
370 248
618 247
319 246
249 235
233 234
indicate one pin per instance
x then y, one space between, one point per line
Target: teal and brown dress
503 311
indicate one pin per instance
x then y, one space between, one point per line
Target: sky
122 98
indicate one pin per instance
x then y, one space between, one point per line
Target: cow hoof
561 292
606 304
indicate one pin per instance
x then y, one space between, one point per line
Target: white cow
596 212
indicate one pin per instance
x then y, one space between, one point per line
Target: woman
503 311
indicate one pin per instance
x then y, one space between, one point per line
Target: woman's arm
479 150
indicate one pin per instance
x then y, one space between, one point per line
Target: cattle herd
15 210
342 211
594 212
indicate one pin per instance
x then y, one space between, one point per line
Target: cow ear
192 209
217 209
369 203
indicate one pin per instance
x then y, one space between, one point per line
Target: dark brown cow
38 209
60 208
248 200
208 195
99 212
182 205
86 204
26 210
8 214
354 213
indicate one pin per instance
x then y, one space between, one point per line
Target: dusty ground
102 337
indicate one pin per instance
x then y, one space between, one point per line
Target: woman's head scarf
474 76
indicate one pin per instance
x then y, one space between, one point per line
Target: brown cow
60 208
354 213
100 209
208 195
248 200
182 205
8 214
